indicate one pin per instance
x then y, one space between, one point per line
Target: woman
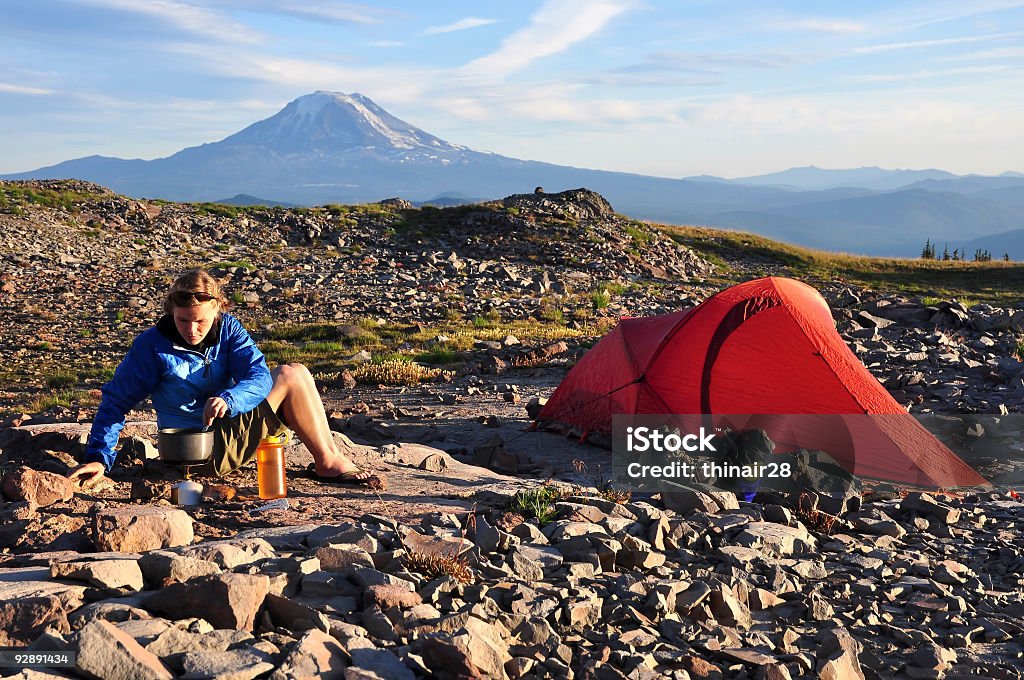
200 367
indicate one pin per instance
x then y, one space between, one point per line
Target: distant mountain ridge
330 147
811 178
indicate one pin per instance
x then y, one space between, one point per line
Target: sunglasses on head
186 297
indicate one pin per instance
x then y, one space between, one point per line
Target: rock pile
916 587
97 267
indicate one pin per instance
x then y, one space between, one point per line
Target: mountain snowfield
331 147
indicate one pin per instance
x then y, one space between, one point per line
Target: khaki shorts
235 439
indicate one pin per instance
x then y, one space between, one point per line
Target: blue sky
671 88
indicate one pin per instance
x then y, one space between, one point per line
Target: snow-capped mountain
329 147
334 122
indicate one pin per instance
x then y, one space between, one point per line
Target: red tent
767 346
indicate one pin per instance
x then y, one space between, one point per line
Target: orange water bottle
270 468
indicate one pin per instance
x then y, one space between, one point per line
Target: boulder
225 600
315 655
24 619
386 596
837 655
140 528
231 553
160 565
108 653
40 489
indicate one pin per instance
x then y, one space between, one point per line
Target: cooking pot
184 445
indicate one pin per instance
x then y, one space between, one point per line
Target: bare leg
294 396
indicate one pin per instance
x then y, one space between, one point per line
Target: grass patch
394 372
321 348
997 282
600 299
438 354
102 372
62 380
220 209
640 235
63 399
13 198
319 332
229 264
488 320
538 502
552 314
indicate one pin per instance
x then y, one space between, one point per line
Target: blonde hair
196 281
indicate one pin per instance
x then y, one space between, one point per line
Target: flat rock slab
34 582
282 538
238 664
777 540
381 663
114 572
230 553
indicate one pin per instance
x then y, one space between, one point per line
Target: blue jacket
179 381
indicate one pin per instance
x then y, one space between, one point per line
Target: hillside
497 550
332 147
83 268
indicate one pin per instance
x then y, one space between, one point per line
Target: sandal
350 478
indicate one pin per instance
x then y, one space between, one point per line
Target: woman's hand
215 408
87 474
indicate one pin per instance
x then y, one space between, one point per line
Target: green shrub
438 354
537 502
600 299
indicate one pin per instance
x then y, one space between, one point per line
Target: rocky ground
444 574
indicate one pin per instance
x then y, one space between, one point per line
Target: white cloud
996 53
548 103
555 27
292 77
23 89
191 18
938 12
917 44
317 10
747 135
460 25
928 73
822 26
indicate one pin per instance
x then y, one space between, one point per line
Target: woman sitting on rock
201 367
